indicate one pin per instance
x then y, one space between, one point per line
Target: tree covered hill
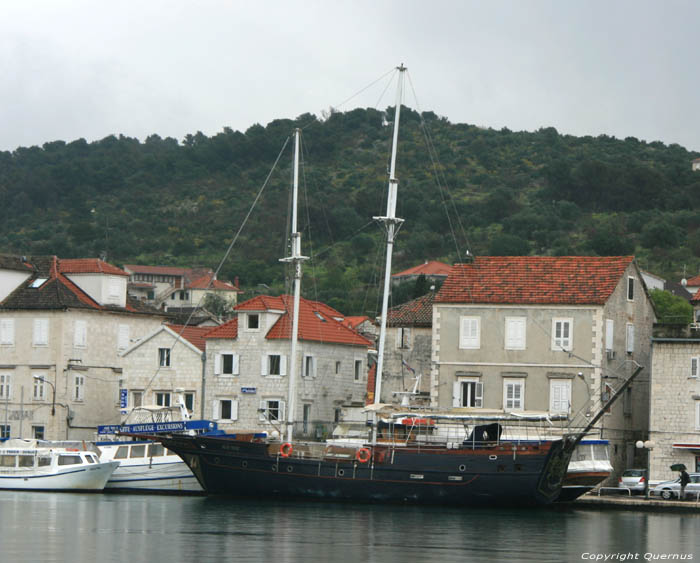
499 192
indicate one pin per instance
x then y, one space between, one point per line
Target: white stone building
62 328
674 419
248 367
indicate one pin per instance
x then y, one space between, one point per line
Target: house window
562 334
630 338
358 369
609 334
163 398
226 364
697 415
559 396
274 364
515 333
309 366
630 289
4 431
513 394
115 288
164 357
80 334
123 337
337 367
38 432
694 366
226 409
271 410
469 333
403 337
150 295
41 332
606 395
189 401
306 417
39 393
336 415
7 332
253 320
136 398
5 386
79 388
468 393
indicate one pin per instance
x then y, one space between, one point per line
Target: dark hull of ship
503 474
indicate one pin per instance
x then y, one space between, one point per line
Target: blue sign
123 393
250 390
153 427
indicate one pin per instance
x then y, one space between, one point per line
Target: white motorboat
35 465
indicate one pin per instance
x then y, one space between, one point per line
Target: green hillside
500 192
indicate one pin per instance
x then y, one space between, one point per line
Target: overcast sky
71 69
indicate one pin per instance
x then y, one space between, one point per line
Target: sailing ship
486 468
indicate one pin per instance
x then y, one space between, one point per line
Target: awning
686 446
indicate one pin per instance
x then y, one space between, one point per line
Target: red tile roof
692 282
205 282
354 322
583 280
88 266
162 270
417 313
432 268
696 297
226 330
193 334
317 321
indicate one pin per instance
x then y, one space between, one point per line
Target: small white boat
146 466
34 465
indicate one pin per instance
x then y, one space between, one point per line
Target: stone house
407 351
62 327
674 410
164 364
247 367
546 334
170 287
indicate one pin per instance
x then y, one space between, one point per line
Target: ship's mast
392 225
295 259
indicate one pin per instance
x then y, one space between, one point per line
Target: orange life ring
363 455
286 449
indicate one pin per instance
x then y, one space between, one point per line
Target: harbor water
69 527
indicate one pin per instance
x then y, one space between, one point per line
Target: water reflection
133 528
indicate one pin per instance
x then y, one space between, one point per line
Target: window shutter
609 333
235 362
262 410
234 410
215 410
80 334
7 332
630 338
456 392
263 364
283 406
217 364
694 367
479 395
313 366
283 365
123 337
469 332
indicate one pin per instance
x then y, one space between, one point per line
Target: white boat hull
70 478
171 476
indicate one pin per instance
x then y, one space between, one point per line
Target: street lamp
53 388
648 445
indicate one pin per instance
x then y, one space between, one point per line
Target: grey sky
92 68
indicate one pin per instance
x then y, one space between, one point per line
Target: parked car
633 479
672 489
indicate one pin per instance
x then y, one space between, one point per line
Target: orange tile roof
432 268
226 330
88 266
692 282
354 322
570 280
193 334
205 282
417 312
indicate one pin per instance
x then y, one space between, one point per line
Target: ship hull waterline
505 474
